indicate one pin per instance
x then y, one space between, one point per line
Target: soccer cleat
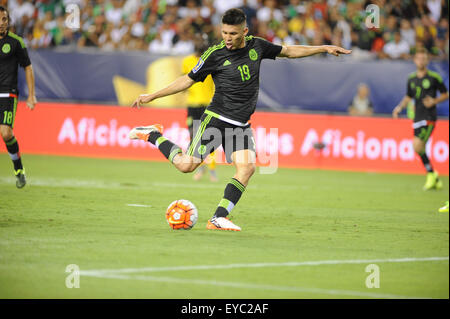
143 132
444 209
20 178
222 223
431 181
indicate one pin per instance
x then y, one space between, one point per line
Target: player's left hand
335 50
428 101
31 102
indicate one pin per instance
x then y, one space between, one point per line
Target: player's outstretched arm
182 83
300 51
403 103
29 76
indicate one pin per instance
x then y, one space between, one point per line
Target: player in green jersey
13 53
422 87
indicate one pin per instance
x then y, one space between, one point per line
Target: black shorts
8 108
194 114
423 129
212 132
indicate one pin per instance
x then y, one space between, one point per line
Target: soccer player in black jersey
234 65
13 53
422 87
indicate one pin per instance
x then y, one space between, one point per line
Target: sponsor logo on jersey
226 63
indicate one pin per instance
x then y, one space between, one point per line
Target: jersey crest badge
198 66
253 55
202 149
6 48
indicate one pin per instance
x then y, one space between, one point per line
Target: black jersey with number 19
236 76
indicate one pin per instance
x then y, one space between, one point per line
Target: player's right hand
31 102
142 99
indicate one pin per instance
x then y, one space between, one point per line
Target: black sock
166 147
13 149
232 194
426 162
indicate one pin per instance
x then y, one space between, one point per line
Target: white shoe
222 223
143 132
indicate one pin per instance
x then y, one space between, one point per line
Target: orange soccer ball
181 214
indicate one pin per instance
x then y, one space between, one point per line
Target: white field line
124 274
54 182
77 183
333 292
258 265
138 205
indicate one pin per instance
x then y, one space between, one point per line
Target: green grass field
305 234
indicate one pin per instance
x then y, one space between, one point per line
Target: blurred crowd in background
174 27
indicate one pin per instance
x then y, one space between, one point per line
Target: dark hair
3 9
234 17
